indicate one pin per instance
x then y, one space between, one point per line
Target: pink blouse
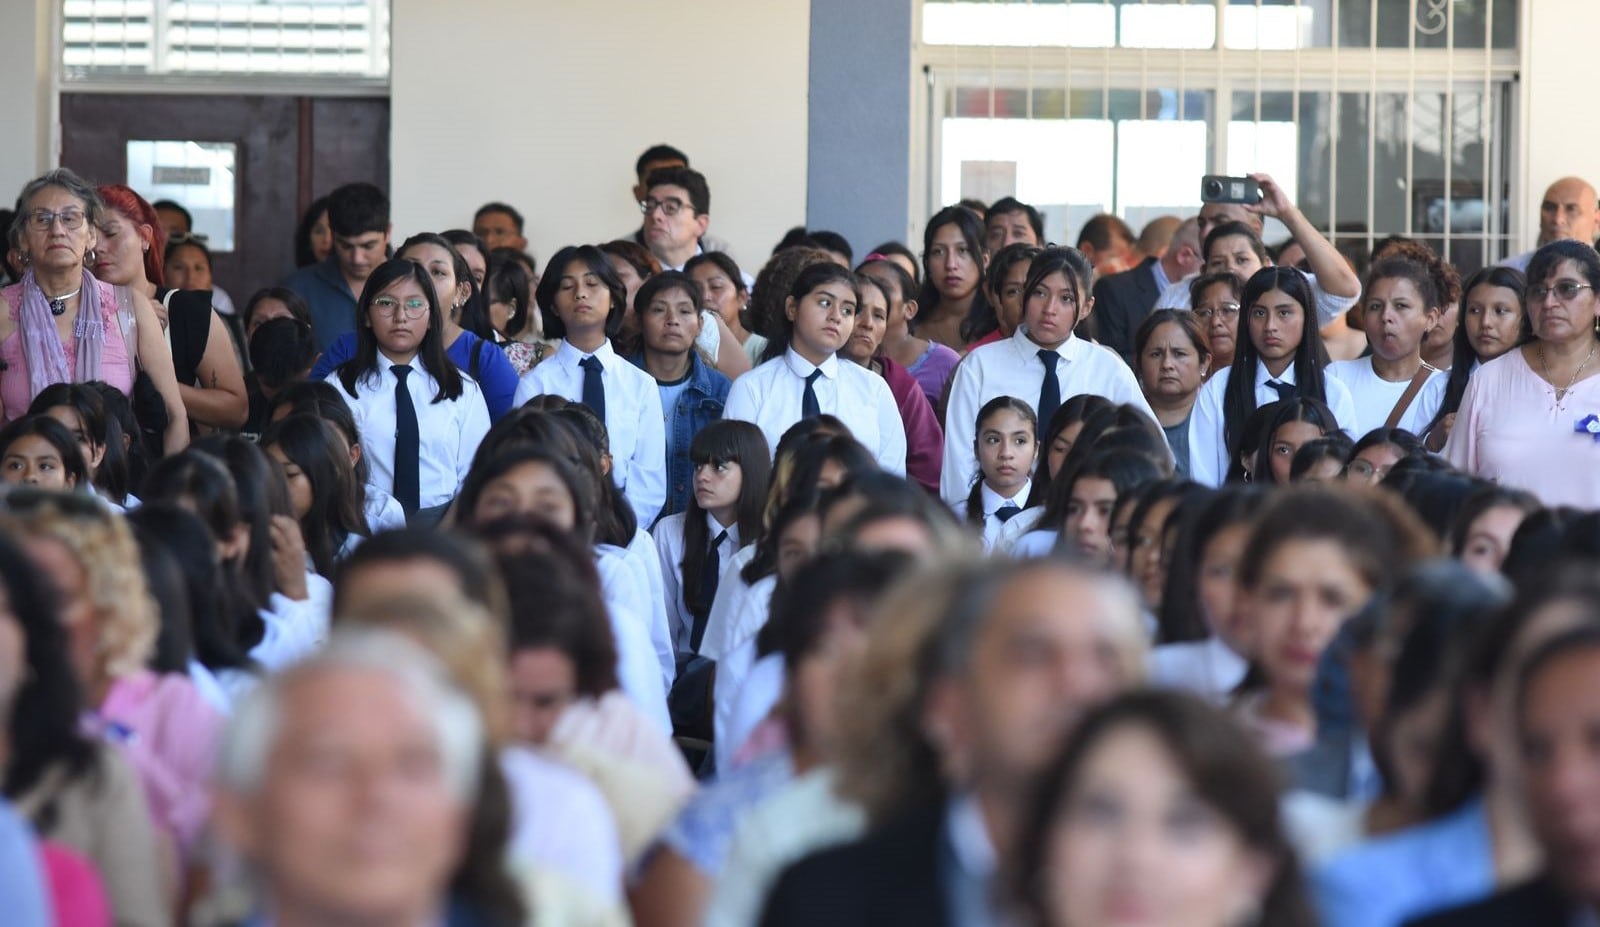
1510 429
15 394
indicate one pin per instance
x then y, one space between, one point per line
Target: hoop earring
88 258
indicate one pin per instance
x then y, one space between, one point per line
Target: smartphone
1218 189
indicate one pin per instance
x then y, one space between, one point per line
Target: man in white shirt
1017 367
1332 280
1569 211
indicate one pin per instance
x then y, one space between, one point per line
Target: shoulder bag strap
1409 396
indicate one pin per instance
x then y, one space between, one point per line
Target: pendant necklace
58 305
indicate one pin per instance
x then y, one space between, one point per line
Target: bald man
1123 301
1570 210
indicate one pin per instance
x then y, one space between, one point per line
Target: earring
88 258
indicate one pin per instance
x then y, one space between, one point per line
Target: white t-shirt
1375 397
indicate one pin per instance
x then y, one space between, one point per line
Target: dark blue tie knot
591 363
401 371
1285 391
1049 358
1005 512
813 375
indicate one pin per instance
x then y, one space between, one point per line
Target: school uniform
1375 397
997 511
630 405
642 550
447 433
1208 448
668 534
773 398
625 589
1017 367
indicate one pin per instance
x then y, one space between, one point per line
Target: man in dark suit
1122 301
1012 664
1557 712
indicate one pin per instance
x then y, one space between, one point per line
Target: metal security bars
171 40
1379 116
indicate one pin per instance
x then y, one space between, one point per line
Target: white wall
26 72
1560 137
545 104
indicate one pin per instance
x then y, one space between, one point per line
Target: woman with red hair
210 378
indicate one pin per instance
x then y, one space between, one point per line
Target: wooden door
288 151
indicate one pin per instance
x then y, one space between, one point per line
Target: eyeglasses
72 219
669 207
1364 470
1228 310
413 308
1566 291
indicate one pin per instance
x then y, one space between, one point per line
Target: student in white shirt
1393 387
1278 357
326 401
809 378
421 418
528 479
1059 283
1007 448
584 301
731 467
322 497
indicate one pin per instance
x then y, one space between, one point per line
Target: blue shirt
1419 870
495 375
333 306
22 879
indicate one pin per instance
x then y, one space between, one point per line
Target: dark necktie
710 575
1005 512
808 402
594 391
1050 391
407 444
1286 391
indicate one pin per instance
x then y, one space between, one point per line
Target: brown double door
289 150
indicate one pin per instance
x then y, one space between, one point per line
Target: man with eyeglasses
1570 210
677 212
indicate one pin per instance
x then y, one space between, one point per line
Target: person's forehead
1046 597
345 698
666 190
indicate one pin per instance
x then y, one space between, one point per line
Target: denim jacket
698 405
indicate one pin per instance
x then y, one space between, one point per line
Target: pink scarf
41 346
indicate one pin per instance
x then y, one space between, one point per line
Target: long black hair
998 404
1239 398
475 310
1125 470
364 363
508 281
725 441
972 234
304 255
335 514
802 494
1300 409
42 729
57 436
985 316
1181 617
1465 356
262 493
189 541
100 430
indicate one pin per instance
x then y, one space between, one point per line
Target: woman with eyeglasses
62 325
421 419
1215 298
1530 419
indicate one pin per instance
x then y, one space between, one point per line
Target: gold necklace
1561 393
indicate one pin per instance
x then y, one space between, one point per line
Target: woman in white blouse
1393 387
808 379
421 418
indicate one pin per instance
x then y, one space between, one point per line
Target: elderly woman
160 722
1530 418
60 324
204 363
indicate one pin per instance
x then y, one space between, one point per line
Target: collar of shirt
569 356
1262 376
384 365
994 502
1070 350
802 368
969 838
716 528
1160 274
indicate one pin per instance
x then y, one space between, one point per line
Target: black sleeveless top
189 327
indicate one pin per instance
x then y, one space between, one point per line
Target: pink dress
1510 429
15 393
168 732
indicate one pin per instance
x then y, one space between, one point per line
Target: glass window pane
1163 25
1159 166
1059 25
1033 152
199 176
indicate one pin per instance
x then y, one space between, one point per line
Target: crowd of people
1168 578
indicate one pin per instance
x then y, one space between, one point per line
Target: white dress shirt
633 419
561 822
293 629
1375 397
992 503
668 534
1011 367
731 591
770 397
735 662
1208 449
626 592
448 431
1208 668
642 549
383 511
1329 306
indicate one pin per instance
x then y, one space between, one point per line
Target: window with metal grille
1378 117
321 40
